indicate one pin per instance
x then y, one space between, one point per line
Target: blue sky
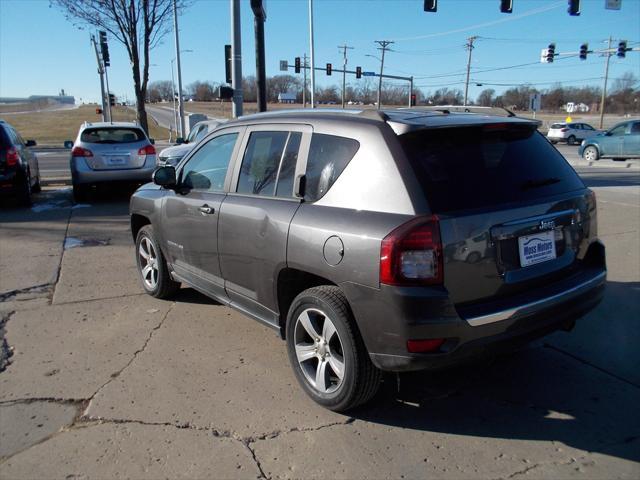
41 52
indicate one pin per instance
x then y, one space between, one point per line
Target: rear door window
328 157
261 161
111 135
475 167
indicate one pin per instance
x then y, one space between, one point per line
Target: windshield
112 135
474 167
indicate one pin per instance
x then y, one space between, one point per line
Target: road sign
535 101
284 65
613 4
368 74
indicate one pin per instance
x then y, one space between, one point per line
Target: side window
201 133
207 168
587 127
575 126
328 157
261 161
288 166
635 128
619 130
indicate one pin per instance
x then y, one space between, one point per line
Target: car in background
173 155
341 230
571 133
620 142
110 152
19 170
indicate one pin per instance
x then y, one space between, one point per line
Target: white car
173 155
572 133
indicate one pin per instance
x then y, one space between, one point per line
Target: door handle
206 209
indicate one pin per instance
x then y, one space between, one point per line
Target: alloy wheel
148 263
319 351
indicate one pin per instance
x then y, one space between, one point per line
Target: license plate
537 248
115 161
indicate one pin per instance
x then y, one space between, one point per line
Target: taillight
12 157
147 150
564 129
412 254
81 152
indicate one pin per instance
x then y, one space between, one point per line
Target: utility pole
173 99
304 85
180 104
106 81
466 85
604 87
344 69
313 70
383 46
260 16
236 58
100 72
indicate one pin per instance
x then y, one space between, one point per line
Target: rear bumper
390 316
10 182
82 174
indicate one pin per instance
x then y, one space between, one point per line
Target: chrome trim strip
537 305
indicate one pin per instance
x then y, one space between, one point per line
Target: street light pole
383 46
603 99
173 99
466 85
180 105
236 56
313 70
344 69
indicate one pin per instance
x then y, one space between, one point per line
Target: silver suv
343 232
110 152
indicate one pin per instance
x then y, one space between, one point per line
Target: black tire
571 140
474 257
37 188
361 379
164 287
24 191
553 142
80 193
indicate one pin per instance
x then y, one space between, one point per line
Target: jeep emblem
547 224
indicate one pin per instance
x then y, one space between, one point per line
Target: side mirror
180 141
30 143
299 186
165 176
68 144
152 141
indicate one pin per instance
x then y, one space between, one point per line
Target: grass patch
53 128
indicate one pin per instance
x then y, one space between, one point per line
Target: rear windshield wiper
529 184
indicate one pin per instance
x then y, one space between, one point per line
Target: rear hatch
116 148
557 130
513 214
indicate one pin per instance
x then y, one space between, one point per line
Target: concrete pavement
105 381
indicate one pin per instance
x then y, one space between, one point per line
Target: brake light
147 150
412 254
12 157
81 152
564 129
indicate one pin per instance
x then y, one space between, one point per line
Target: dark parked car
19 171
342 231
620 142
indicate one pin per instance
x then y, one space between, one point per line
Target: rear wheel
80 192
326 352
152 266
571 140
24 192
590 154
37 188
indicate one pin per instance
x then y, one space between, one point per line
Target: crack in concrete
585 362
256 461
113 376
43 288
62 250
87 300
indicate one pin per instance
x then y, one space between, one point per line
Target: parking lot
100 380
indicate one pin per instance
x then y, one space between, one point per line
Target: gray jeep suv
344 232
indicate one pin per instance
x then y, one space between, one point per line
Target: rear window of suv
112 135
475 167
558 125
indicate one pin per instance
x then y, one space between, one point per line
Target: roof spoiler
374 115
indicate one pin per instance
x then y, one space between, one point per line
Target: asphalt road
105 381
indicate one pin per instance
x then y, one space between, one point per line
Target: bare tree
164 89
485 99
138 24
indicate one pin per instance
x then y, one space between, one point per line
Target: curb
605 164
55 181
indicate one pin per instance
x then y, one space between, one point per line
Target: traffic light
574 8
112 99
584 49
104 47
622 49
329 69
551 52
358 72
297 65
431 6
506 6
413 99
225 92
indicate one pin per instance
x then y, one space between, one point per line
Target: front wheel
152 267
326 352
590 154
